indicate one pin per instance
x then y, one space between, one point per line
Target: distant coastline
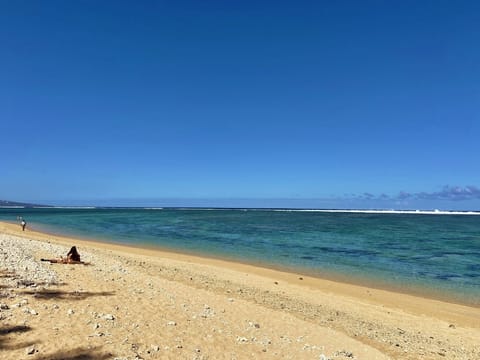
18 205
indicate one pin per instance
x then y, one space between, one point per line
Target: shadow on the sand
24 284
66 295
32 283
11 329
5 341
78 354
5 275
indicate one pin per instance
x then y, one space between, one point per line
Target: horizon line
286 209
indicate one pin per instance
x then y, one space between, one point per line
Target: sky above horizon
241 103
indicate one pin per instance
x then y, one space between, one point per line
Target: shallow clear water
438 254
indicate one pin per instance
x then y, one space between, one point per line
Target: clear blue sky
316 104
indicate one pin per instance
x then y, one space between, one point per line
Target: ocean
428 254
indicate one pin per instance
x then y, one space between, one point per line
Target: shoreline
414 290
340 285
370 323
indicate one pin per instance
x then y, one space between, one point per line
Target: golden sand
134 303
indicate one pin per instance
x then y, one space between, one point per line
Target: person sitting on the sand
73 257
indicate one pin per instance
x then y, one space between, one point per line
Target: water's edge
428 255
365 282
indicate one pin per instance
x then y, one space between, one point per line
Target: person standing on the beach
23 223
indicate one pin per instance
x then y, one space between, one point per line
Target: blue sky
309 104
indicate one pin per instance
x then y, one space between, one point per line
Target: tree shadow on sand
32 283
65 295
4 274
10 276
78 354
5 341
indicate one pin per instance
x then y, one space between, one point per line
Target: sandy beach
133 303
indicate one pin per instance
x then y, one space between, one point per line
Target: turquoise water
435 254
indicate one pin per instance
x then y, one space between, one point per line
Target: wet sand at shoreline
143 303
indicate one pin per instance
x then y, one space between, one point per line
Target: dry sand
132 303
